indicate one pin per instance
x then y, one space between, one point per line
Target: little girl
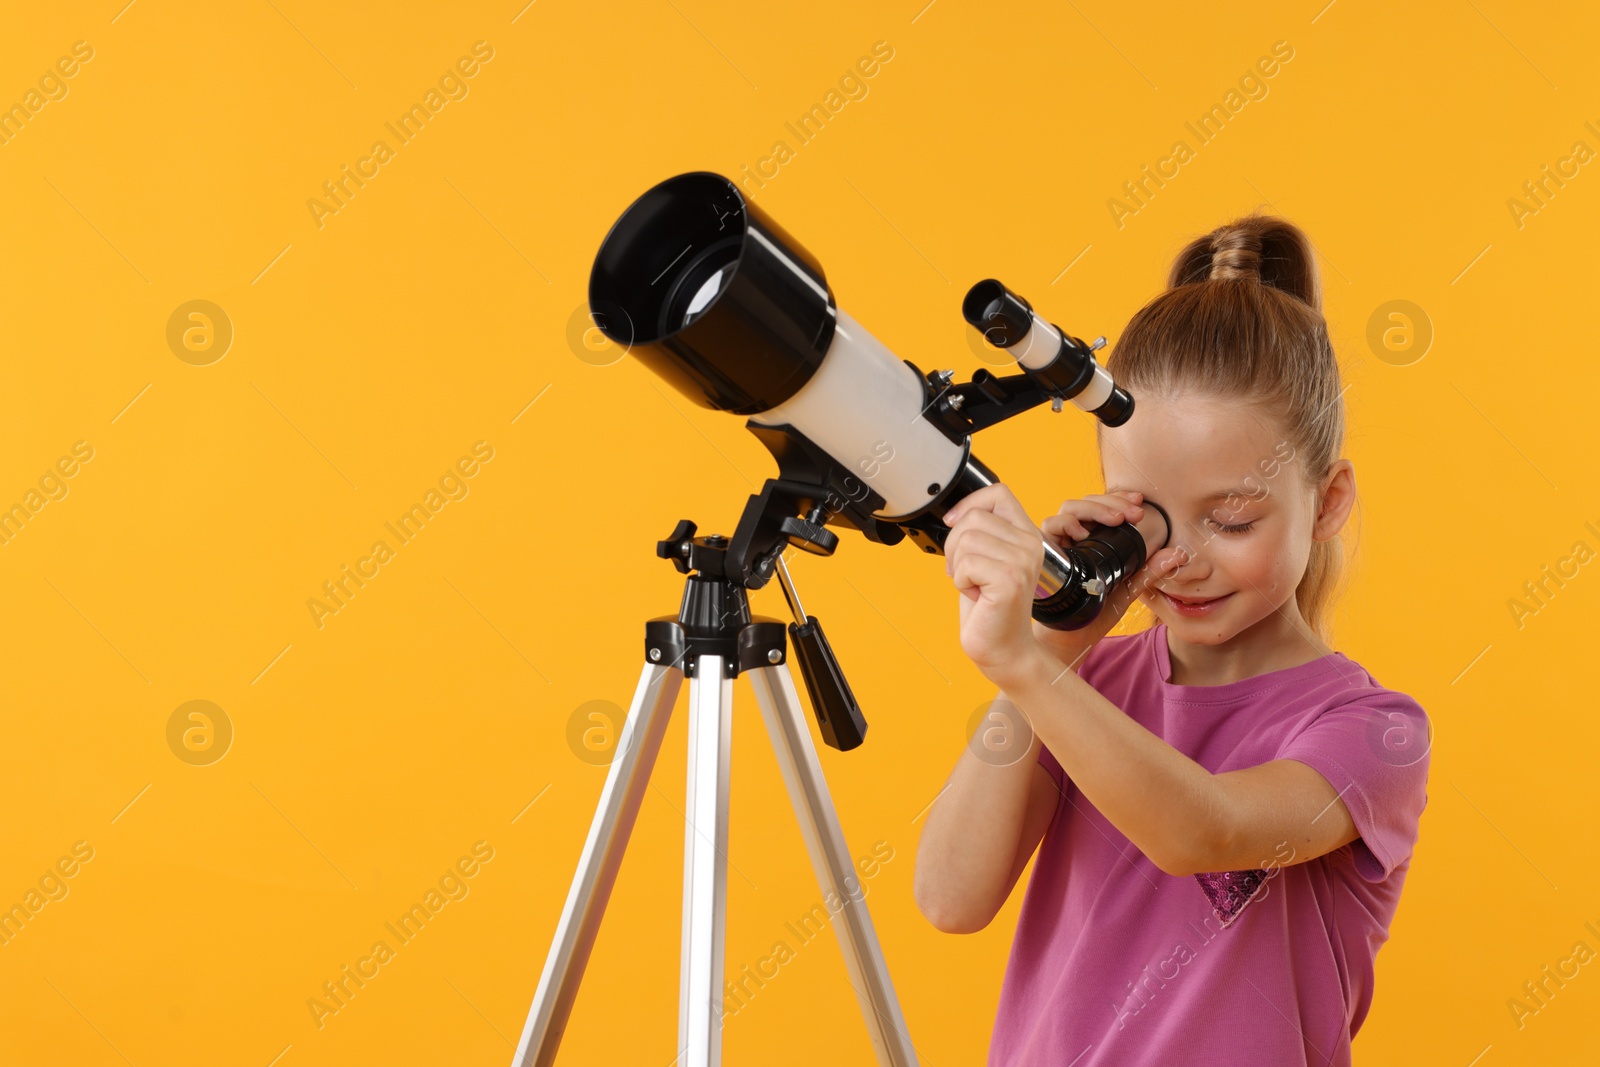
1227 807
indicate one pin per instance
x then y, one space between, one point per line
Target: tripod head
714 618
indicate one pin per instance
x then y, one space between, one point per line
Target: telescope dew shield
712 295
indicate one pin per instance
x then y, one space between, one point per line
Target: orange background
435 310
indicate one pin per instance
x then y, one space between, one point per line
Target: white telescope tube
863 406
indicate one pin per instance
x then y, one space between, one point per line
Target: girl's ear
1336 496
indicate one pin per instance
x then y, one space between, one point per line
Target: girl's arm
979 834
985 824
1184 818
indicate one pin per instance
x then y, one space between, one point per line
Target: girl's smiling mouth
1193 607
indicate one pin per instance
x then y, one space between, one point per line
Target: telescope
711 294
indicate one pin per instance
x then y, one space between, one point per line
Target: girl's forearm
970 840
1163 801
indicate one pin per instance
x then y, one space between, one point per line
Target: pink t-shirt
1117 963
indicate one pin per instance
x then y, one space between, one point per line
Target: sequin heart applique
1230 891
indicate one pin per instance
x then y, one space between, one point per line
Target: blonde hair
1241 317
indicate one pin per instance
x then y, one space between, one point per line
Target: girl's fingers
958 532
1130 508
1109 510
1082 511
995 499
995 526
974 571
1059 526
1105 513
1071 520
980 557
984 543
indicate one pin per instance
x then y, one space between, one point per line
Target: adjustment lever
838 715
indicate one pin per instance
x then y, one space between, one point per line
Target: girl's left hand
994 552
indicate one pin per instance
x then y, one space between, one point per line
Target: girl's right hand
1067 526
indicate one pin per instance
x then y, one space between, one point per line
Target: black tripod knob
838 715
809 536
676 546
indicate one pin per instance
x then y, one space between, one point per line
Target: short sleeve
1375 753
1047 760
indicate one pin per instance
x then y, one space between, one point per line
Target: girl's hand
1067 526
1106 509
994 552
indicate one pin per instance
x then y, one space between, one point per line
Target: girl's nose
1189 565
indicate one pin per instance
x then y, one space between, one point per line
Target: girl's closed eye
1233 528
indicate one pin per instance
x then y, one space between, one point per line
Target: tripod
711 641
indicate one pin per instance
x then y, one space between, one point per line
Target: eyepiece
1117 409
1003 317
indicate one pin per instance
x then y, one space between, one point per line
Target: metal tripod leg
819 825
618 809
705 866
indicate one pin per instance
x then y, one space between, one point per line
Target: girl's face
1240 504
